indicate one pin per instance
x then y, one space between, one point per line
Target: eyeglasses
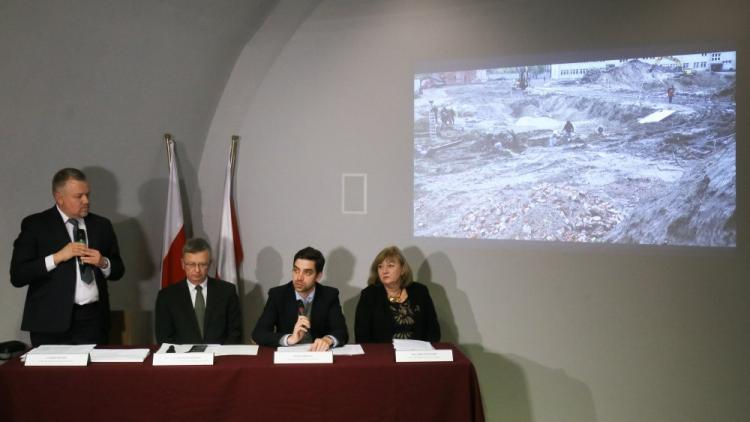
196 265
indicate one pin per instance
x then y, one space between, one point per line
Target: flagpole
167 141
174 224
229 251
233 151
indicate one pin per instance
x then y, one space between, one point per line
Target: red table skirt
370 387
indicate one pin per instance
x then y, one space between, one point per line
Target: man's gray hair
62 176
196 245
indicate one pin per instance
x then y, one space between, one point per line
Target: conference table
369 387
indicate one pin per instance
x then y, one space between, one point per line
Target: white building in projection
716 61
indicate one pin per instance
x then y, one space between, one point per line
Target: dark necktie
307 338
200 307
79 235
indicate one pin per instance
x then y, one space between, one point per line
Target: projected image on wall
634 150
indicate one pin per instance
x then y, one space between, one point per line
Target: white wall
558 333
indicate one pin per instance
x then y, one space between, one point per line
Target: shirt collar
307 299
62 214
203 284
65 218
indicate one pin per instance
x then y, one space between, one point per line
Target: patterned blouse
403 319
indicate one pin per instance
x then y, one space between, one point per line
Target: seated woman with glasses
393 306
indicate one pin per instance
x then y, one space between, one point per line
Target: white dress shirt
193 292
85 292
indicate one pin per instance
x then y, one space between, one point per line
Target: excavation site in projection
636 151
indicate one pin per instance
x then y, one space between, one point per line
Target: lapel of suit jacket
211 302
187 303
93 238
92 233
59 238
289 310
316 313
58 226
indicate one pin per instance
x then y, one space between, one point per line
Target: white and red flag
174 226
229 254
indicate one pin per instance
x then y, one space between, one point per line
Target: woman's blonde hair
391 253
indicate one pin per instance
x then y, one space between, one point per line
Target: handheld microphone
80 237
300 308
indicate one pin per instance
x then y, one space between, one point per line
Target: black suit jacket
50 295
176 321
280 315
373 321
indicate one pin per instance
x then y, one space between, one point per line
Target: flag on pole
174 226
229 253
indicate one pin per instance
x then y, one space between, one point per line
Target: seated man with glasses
200 309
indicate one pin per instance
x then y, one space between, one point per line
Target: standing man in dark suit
199 309
303 310
65 255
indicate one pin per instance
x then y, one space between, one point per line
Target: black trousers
86 327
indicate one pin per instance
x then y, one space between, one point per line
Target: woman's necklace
396 298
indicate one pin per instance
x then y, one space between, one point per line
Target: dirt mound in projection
636 75
576 108
631 76
698 208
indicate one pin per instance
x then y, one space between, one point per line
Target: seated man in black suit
200 309
303 310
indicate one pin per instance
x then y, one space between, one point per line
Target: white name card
57 359
442 355
191 358
303 357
